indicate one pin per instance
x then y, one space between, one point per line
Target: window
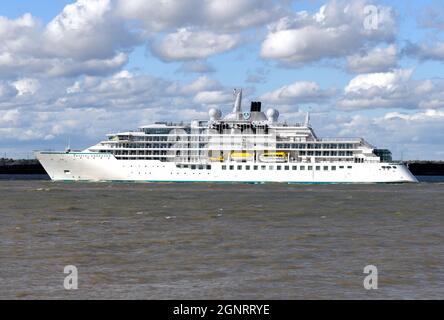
201 167
247 167
193 166
287 167
255 167
208 167
294 168
325 168
302 167
310 168
231 167
341 167
224 167
271 167
239 167
349 167
318 168
263 167
278 167
333 168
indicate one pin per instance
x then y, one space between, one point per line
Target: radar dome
215 114
272 115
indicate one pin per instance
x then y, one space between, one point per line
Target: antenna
68 148
307 119
238 101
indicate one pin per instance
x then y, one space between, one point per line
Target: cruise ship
243 146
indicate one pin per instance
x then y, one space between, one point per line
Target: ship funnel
238 102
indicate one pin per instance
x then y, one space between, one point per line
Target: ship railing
340 139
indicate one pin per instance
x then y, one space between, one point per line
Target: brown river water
220 241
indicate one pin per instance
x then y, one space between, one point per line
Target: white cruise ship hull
85 166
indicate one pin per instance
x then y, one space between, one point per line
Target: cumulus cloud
197 29
85 38
196 66
376 60
186 44
336 30
213 97
160 15
424 51
388 80
26 86
87 108
298 92
394 89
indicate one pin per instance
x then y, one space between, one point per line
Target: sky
73 71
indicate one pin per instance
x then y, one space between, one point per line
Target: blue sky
76 70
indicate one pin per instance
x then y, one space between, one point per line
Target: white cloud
160 15
336 30
26 86
196 66
186 44
387 81
394 89
213 97
85 38
202 83
376 60
298 92
426 51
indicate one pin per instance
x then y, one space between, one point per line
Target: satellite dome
272 115
215 114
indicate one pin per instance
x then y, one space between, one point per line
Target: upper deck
252 132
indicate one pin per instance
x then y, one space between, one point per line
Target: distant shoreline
32 166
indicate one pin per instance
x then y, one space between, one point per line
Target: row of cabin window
264 167
195 166
314 146
326 153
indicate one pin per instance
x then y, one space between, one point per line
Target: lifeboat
273 157
219 158
241 156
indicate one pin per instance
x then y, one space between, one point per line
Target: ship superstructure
242 146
